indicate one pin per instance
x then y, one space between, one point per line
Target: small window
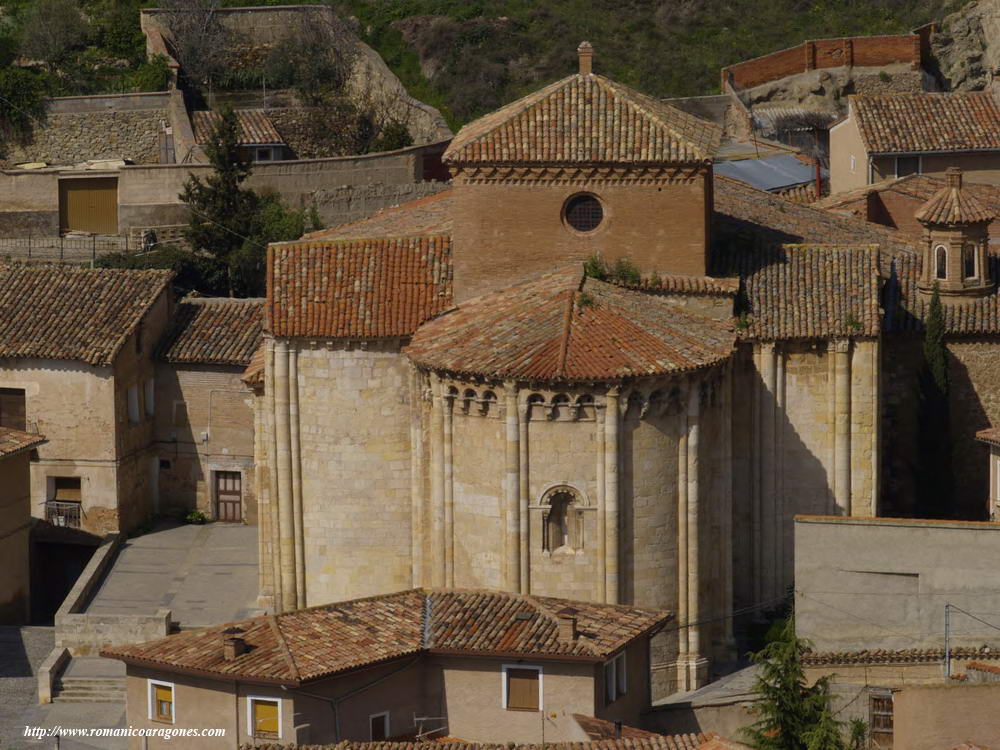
63 508
13 409
907 165
561 523
969 261
854 163
66 488
133 404
615 678
880 710
941 261
265 717
265 154
522 688
584 213
149 397
378 727
161 701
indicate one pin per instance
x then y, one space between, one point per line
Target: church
592 369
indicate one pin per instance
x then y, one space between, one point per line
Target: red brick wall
825 53
506 233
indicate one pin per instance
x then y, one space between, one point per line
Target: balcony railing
63 513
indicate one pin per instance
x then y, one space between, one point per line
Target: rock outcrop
967 47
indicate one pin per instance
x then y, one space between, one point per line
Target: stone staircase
89 690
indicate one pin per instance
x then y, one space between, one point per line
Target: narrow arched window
969 261
941 262
561 522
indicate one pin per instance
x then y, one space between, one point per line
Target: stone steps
89 690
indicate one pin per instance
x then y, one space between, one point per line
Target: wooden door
89 205
229 496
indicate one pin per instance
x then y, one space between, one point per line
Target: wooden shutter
163 701
12 408
67 488
522 689
265 718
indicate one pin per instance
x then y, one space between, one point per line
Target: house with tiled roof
259 140
16 449
205 422
76 364
888 136
487 666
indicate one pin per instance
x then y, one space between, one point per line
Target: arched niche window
969 261
941 262
561 521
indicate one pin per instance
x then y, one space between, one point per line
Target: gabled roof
807 291
16 441
65 312
255 129
953 205
365 288
309 644
213 331
585 119
564 326
927 122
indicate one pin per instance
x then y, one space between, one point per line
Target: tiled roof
989 435
309 644
428 215
368 288
214 331
693 285
979 666
255 127
654 742
564 326
894 656
586 119
253 376
927 122
953 205
65 312
917 186
14 441
602 729
807 291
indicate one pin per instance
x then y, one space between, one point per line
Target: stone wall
347 203
74 138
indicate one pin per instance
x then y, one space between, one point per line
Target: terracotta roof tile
894 656
369 288
253 376
308 644
586 119
927 122
214 331
14 441
989 435
428 215
65 312
602 729
918 186
953 205
255 128
563 326
807 291
692 285
979 666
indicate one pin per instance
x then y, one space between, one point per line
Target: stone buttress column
842 425
416 480
437 484
683 676
271 447
612 424
512 490
293 425
283 456
448 432
524 529
726 509
602 536
756 507
770 523
697 663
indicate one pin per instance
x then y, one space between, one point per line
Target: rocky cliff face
967 46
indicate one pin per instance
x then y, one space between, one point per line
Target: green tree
22 102
790 712
933 469
825 734
223 212
50 29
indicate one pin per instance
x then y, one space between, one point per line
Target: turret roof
953 205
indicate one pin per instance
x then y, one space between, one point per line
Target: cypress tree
934 473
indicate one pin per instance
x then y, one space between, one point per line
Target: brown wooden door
229 496
89 205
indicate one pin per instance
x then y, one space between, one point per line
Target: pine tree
825 734
934 468
788 709
223 213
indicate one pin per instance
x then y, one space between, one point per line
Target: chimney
954 175
233 646
618 729
567 625
586 54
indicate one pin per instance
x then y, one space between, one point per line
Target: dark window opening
969 261
942 262
584 213
907 165
13 411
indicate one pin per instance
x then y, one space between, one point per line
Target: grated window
584 213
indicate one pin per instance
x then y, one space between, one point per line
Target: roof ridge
283 645
568 326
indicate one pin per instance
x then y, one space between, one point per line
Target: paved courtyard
203 574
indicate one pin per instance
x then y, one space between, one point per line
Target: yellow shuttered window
265 718
522 689
163 703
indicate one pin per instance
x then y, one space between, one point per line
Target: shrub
196 517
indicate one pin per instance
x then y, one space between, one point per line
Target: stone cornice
555 174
